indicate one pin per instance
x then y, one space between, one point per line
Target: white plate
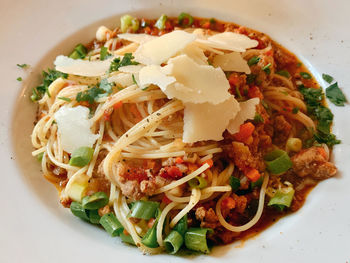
35 228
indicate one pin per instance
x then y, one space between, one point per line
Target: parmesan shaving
122 79
195 53
159 50
231 62
137 38
74 128
131 69
229 41
196 83
154 74
247 112
82 67
205 121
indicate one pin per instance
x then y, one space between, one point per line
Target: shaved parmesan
205 121
229 41
74 128
160 49
137 38
82 67
122 79
131 69
247 112
127 49
197 83
231 62
196 53
154 74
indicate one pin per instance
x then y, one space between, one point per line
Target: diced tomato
174 172
209 162
135 173
117 105
148 30
166 200
254 92
169 26
107 114
228 203
253 174
179 160
245 131
206 25
192 167
233 80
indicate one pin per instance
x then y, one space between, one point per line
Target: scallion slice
111 224
150 239
79 51
81 156
182 226
160 24
278 162
282 198
173 242
254 60
127 238
198 182
144 209
95 201
186 16
129 22
235 183
196 239
94 217
78 210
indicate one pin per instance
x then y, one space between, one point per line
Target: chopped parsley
22 65
267 69
313 98
258 118
251 78
238 93
254 60
104 53
126 61
283 73
329 79
295 110
65 99
94 93
19 79
48 77
134 80
335 95
305 75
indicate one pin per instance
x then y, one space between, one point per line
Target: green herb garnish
305 75
254 60
283 73
126 61
335 95
329 79
19 79
22 65
258 118
104 53
65 99
267 69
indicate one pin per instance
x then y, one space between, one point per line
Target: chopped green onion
283 73
182 226
78 210
173 242
196 239
19 79
235 183
79 52
22 65
127 238
94 217
104 53
111 224
282 198
133 79
184 16
95 201
305 75
160 24
129 22
65 99
198 182
81 156
239 95
329 79
40 156
278 162
254 60
294 144
150 239
267 69
212 21
257 183
144 209
251 78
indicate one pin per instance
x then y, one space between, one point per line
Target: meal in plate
182 133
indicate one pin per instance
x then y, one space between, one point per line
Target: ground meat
282 129
207 217
149 187
65 201
257 70
283 59
242 157
104 210
313 162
